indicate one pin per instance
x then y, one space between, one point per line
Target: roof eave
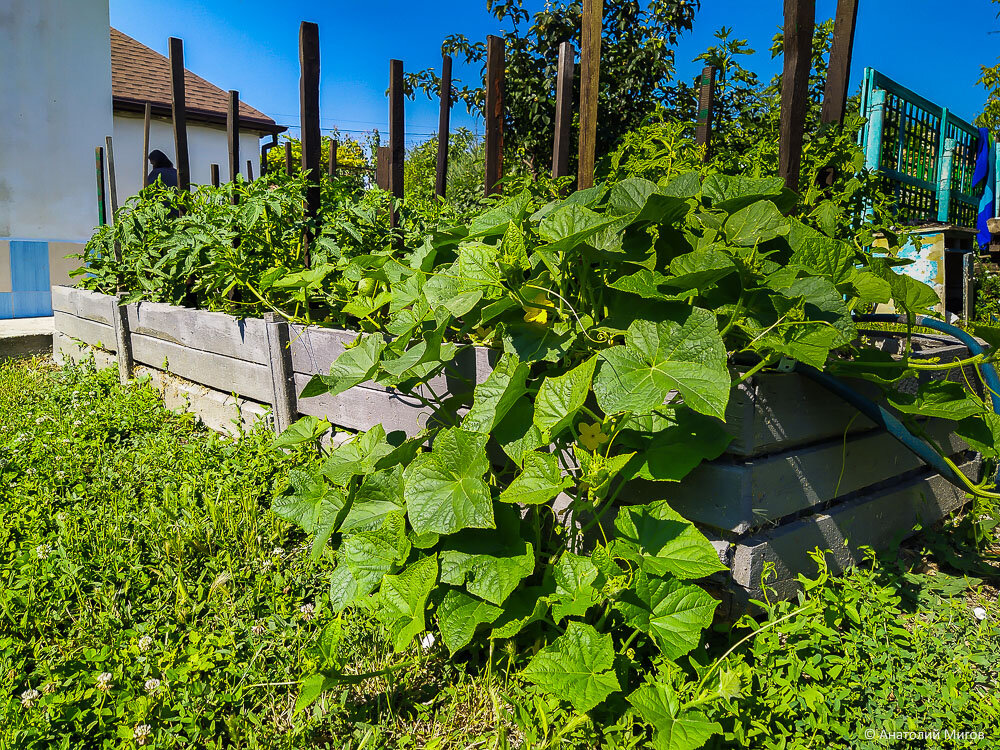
263 127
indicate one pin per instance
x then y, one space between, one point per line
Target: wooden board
361 408
213 332
89 332
875 520
226 374
83 303
742 495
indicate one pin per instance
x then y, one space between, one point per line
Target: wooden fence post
147 118
592 27
233 136
214 170
494 112
288 157
839 69
123 338
798 30
444 129
706 102
382 158
945 179
280 365
179 113
397 133
564 110
331 167
312 143
102 203
249 171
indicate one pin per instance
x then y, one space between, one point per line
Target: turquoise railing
925 154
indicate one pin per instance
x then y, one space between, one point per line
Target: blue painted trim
32 304
29 266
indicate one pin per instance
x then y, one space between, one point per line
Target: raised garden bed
804 470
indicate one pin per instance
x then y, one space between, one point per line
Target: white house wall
55 108
206 146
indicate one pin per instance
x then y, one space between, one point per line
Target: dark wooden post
494 112
233 136
214 169
147 117
799 19
590 78
102 203
249 171
444 129
288 157
331 167
839 71
312 144
179 113
564 110
706 101
383 157
397 136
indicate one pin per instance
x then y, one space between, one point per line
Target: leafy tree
637 70
351 157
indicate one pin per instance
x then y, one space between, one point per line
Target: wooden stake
590 78
233 137
331 167
799 19
147 117
123 339
288 157
397 132
495 49
706 101
839 71
249 171
444 129
179 113
309 121
564 110
102 204
214 169
112 182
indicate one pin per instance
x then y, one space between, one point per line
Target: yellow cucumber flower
536 313
591 436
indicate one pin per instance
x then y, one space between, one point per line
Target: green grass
137 544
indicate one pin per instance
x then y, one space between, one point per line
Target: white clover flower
152 685
979 613
141 733
145 643
258 629
278 552
61 517
104 682
308 611
42 551
29 696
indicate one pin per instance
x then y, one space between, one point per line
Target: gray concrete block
90 332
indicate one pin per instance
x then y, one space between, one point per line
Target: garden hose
893 426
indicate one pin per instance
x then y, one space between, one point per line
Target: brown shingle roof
140 74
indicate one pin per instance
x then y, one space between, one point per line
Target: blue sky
252 46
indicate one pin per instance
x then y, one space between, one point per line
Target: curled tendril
602 336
